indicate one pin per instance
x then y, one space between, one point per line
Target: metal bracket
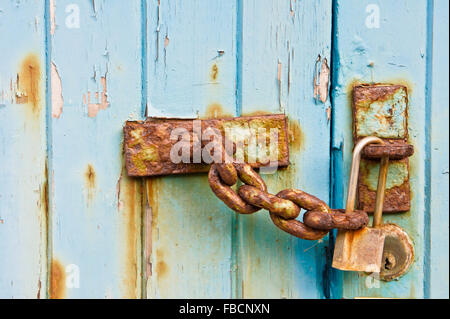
381 110
148 144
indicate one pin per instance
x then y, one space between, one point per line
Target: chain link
283 207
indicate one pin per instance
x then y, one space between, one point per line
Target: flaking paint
101 99
56 93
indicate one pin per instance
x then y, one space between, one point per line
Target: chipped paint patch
321 80
52 17
166 42
101 97
57 280
28 83
57 98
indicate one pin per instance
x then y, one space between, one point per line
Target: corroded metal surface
337 218
148 144
395 151
382 110
357 249
398 253
284 207
397 197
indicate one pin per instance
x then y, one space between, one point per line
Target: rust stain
215 110
256 113
214 72
131 211
44 191
129 205
57 280
29 82
44 201
152 190
38 295
161 267
90 182
296 137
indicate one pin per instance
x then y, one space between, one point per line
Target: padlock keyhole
389 261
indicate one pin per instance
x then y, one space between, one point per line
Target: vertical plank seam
428 128
144 96
144 43
333 279
49 147
236 276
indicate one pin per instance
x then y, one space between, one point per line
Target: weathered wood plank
439 148
96 208
23 158
191 73
384 41
279 45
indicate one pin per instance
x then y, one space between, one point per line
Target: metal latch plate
147 144
382 110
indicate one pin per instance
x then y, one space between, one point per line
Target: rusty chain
284 207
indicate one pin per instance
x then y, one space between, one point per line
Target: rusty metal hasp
151 147
234 147
381 110
362 250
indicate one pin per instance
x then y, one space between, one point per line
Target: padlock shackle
353 180
381 188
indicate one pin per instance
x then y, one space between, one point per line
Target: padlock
362 250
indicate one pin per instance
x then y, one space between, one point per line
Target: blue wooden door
74 225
